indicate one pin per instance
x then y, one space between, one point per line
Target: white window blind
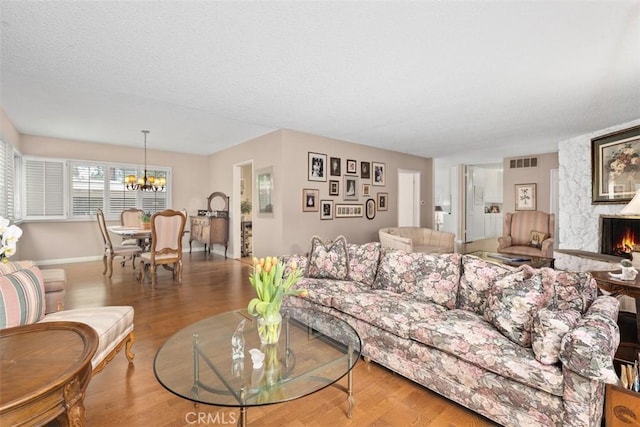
44 182
119 197
87 188
154 201
7 184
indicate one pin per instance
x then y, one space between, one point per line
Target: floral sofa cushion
21 297
512 302
323 291
477 277
473 339
588 349
426 277
363 262
387 310
549 327
328 261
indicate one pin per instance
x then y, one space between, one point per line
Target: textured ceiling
475 81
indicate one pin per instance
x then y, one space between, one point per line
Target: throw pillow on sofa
477 277
21 298
567 290
363 262
512 303
549 327
328 261
426 277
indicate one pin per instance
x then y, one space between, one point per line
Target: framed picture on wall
334 166
370 209
379 174
352 166
383 203
366 190
310 200
264 186
317 167
525 197
615 166
365 170
348 211
334 187
350 188
326 209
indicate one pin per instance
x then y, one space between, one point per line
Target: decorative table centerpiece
272 281
145 220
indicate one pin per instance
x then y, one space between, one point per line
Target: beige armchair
417 239
528 233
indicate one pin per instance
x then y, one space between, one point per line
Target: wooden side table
45 369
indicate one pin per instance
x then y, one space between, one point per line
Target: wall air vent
524 162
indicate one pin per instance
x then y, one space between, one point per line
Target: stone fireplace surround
578 220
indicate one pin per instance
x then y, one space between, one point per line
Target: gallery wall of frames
357 188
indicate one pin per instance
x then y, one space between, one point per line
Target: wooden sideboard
212 229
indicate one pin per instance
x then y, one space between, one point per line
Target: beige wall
8 131
289 230
78 240
541 176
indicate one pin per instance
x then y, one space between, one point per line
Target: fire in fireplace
619 235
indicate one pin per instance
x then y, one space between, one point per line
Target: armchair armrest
589 349
504 242
547 248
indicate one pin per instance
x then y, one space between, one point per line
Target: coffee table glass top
514 259
314 351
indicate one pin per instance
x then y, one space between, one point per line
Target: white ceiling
469 80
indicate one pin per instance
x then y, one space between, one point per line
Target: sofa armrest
590 347
504 242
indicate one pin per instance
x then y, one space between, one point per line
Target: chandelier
145 183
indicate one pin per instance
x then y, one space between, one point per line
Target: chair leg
178 269
104 261
152 268
110 265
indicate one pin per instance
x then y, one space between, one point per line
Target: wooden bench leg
127 350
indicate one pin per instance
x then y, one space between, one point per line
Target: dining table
142 235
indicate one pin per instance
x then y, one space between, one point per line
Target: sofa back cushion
21 298
363 262
328 260
478 276
425 277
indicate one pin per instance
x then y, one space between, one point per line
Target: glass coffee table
315 350
515 260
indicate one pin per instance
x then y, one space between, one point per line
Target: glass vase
269 326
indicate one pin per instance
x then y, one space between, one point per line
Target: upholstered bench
22 302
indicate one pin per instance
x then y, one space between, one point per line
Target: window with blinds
45 183
89 186
7 185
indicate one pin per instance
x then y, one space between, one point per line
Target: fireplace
619 235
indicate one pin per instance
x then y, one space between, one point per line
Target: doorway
408 198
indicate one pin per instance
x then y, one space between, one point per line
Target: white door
408 198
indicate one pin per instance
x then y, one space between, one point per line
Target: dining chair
131 218
110 251
167 229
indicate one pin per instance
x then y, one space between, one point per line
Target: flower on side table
9 235
271 284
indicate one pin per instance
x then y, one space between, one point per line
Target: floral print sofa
520 346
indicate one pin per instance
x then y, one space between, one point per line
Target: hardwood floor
124 394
